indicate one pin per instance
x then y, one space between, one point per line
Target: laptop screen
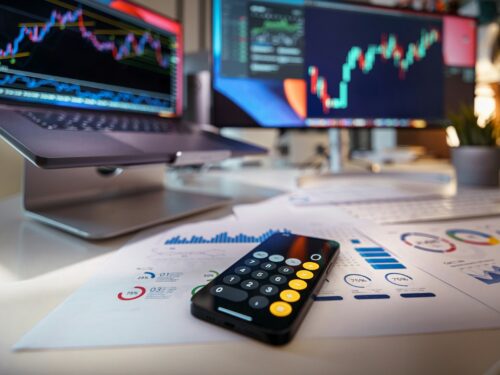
109 55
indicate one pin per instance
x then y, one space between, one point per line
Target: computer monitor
296 63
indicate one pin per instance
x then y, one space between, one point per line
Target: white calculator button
260 254
276 258
293 262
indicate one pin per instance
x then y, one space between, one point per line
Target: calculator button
242 270
258 302
269 290
276 258
231 279
285 270
280 309
260 255
229 293
293 262
268 266
277 279
290 295
249 284
297 284
311 266
260 275
305 275
252 262
316 257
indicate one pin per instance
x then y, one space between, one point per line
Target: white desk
40 267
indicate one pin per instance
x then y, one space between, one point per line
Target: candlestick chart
388 49
385 68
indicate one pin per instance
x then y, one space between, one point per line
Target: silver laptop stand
102 203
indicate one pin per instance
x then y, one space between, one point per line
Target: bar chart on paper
367 271
223 237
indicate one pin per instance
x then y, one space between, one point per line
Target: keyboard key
276 258
258 302
249 284
269 290
297 284
290 295
229 293
260 254
311 266
268 266
305 275
243 270
231 279
251 262
260 275
280 309
278 279
285 270
293 262
94 122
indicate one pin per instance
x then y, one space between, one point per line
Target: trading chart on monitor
296 63
390 65
89 55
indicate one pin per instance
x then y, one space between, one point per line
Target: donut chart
473 237
428 242
132 294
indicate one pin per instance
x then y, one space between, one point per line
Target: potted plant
477 159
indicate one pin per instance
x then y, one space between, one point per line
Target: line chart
131 45
77 90
283 26
388 49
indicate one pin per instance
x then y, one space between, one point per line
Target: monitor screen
111 55
296 63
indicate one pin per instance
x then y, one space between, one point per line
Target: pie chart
473 237
428 242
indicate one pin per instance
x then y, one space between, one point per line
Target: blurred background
196 17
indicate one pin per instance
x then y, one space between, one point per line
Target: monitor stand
339 150
101 203
339 142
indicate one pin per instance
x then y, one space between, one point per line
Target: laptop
97 83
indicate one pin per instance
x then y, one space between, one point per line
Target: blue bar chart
377 257
224 238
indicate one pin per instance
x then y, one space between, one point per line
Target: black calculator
267 293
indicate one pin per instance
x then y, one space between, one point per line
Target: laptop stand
101 203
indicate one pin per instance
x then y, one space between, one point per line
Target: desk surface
40 267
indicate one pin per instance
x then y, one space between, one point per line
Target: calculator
267 293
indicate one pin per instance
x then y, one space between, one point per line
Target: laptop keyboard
98 122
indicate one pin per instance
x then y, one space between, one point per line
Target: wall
193 13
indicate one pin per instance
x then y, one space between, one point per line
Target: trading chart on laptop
89 55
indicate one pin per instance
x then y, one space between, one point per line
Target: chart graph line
131 45
223 237
276 26
34 83
489 277
388 49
